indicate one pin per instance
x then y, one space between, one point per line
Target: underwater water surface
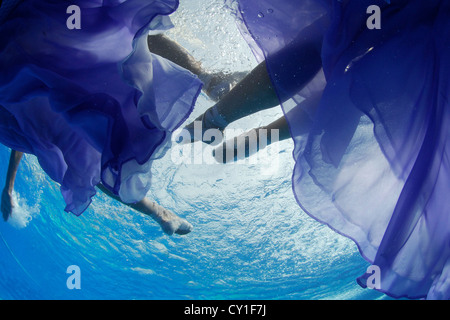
251 240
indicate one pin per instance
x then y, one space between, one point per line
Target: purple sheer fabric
93 104
375 164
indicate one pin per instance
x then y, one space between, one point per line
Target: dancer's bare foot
170 222
7 204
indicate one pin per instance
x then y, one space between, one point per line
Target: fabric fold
374 165
93 104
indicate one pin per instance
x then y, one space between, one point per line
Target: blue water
250 241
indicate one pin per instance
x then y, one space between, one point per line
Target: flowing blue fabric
92 104
374 166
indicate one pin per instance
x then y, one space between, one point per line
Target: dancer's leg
297 64
7 203
250 142
254 93
243 147
216 84
163 46
169 221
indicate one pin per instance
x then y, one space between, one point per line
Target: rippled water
250 241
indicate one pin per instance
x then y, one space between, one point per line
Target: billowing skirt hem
374 165
93 104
